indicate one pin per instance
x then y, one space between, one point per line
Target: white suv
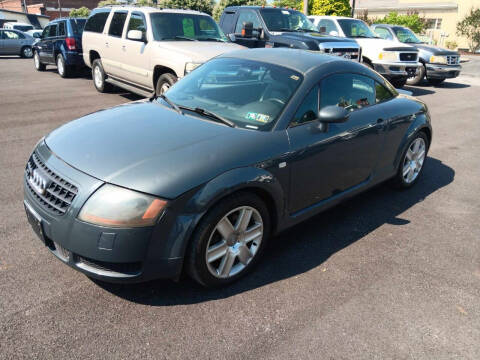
146 50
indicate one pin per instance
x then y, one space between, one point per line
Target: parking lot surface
386 275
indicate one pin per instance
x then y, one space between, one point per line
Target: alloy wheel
413 161
234 242
37 61
60 66
98 78
164 88
27 52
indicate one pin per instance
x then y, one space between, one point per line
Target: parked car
437 64
249 144
23 27
37 34
15 42
60 45
258 26
146 50
394 61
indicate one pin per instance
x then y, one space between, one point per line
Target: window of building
433 24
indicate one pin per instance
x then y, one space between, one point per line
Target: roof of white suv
149 9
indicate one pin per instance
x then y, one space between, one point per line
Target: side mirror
232 37
135 35
247 30
332 114
333 33
322 29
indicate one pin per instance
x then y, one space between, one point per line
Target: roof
149 9
296 59
22 13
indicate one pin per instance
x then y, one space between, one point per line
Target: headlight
190 66
388 56
438 59
118 207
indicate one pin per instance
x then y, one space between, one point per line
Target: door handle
124 47
106 44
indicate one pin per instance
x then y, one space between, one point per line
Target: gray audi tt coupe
197 180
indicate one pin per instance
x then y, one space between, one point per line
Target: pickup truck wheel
398 83
229 240
26 52
39 66
62 68
435 82
164 83
419 77
98 76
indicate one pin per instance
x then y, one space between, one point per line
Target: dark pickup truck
257 26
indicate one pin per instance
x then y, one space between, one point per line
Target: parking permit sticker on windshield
263 118
285 12
294 77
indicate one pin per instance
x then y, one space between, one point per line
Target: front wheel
26 52
435 82
417 79
229 240
164 82
411 165
98 75
39 66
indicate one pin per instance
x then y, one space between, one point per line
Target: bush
451 44
205 6
470 28
80 12
329 7
412 21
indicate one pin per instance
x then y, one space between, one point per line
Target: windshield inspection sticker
285 12
294 77
263 118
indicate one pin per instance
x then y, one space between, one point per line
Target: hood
378 43
319 38
150 148
199 50
435 50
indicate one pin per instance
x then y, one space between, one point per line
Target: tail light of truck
71 43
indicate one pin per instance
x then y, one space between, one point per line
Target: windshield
405 35
173 26
78 25
286 20
23 27
356 29
251 94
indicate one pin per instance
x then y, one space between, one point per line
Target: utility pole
305 7
60 8
25 9
353 8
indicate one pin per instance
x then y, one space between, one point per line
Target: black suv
257 26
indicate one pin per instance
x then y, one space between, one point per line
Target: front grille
408 57
131 268
453 59
54 193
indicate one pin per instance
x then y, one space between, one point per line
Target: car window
77 25
308 111
52 32
247 16
45 32
286 20
251 94
350 91
227 21
356 28
117 23
382 93
325 26
96 21
10 35
137 22
383 33
61 28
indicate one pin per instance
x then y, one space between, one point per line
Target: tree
108 2
470 28
292 4
80 12
411 20
222 4
205 6
329 7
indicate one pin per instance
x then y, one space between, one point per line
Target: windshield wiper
171 103
178 37
210 115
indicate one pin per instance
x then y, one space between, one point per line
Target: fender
199 200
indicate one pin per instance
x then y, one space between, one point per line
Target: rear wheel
98 76
38 64
164 82
435 82
63 69
26 52
419 77
229 240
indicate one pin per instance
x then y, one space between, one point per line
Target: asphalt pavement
386 275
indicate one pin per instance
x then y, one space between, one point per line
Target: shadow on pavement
418 91
303 247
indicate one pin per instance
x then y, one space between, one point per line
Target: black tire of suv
39 66
417 80
195 262
105 87
398 83
27 55
67 71
165 80
435 82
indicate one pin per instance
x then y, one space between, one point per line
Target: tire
398 83
369 64
98 76
435 82
63 69
417 80
39 66
164 82
240 254
411 162
26 52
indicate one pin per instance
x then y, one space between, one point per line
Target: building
38 21
441 15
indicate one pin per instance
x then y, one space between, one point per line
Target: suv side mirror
135 35
332 114
323 29
333 33
247 30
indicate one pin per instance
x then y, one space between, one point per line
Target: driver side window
308 111
383 33
247 16
350 91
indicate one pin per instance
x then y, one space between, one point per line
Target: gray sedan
14 42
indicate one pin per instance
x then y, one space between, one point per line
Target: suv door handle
106 44
124 47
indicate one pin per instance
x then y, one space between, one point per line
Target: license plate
35 221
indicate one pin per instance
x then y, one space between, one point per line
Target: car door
12 42
136 54
1 43
40 45
49 56
113 56
245 16
329 162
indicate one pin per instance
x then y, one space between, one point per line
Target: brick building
50 8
